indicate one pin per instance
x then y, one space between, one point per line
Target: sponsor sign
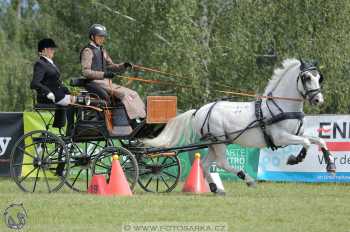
335 130
241 158
11 125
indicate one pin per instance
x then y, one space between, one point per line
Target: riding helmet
46 43
97 29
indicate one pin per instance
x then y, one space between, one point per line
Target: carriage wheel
128 162
82 155
44 165
159 173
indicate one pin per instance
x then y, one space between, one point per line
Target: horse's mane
279 73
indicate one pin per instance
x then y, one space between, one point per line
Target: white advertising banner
335 130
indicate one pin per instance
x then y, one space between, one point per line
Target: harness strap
274 103
284 116
274 119
260 119
206 121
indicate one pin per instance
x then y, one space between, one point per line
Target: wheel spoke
76 178
46 180
94 149
36 179
75 165
54 151
102 165
36 152
89 151
77 147
165 159
16 165
27 174
43 153
128 168
127 159
168 174
87 178
164 182
170 165
157 188
149 181
25 152
145 173
85 148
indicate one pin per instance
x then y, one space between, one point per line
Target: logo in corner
15 216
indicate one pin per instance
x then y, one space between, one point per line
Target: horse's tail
177 128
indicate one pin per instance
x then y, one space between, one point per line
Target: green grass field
270 207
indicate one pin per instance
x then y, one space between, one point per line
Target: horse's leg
302 154
283 138
329 159
207 162
292 159
288 139
221 162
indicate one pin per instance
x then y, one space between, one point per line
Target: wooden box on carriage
160 109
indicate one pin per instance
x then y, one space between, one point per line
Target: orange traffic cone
98 185
196 183
118 185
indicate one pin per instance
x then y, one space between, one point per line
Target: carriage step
44 140
164 154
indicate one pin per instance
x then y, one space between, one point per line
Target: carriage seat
91 87
120 117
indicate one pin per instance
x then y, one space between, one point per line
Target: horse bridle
310 93
262 122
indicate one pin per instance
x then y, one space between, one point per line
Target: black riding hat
46 43
97 29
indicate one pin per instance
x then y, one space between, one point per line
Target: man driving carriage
98 67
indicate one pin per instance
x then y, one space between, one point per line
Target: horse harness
261 121
275 118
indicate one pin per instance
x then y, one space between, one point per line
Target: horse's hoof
331 168
220 193
251 184
292 160
213 188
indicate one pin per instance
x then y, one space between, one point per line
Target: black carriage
84 146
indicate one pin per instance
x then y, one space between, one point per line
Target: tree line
210 45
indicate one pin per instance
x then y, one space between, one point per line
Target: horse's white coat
227 117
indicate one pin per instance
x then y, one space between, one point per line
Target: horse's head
309 82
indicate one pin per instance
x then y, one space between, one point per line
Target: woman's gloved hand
51 96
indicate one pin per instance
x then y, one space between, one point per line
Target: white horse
272 121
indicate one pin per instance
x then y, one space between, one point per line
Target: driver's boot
121 126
